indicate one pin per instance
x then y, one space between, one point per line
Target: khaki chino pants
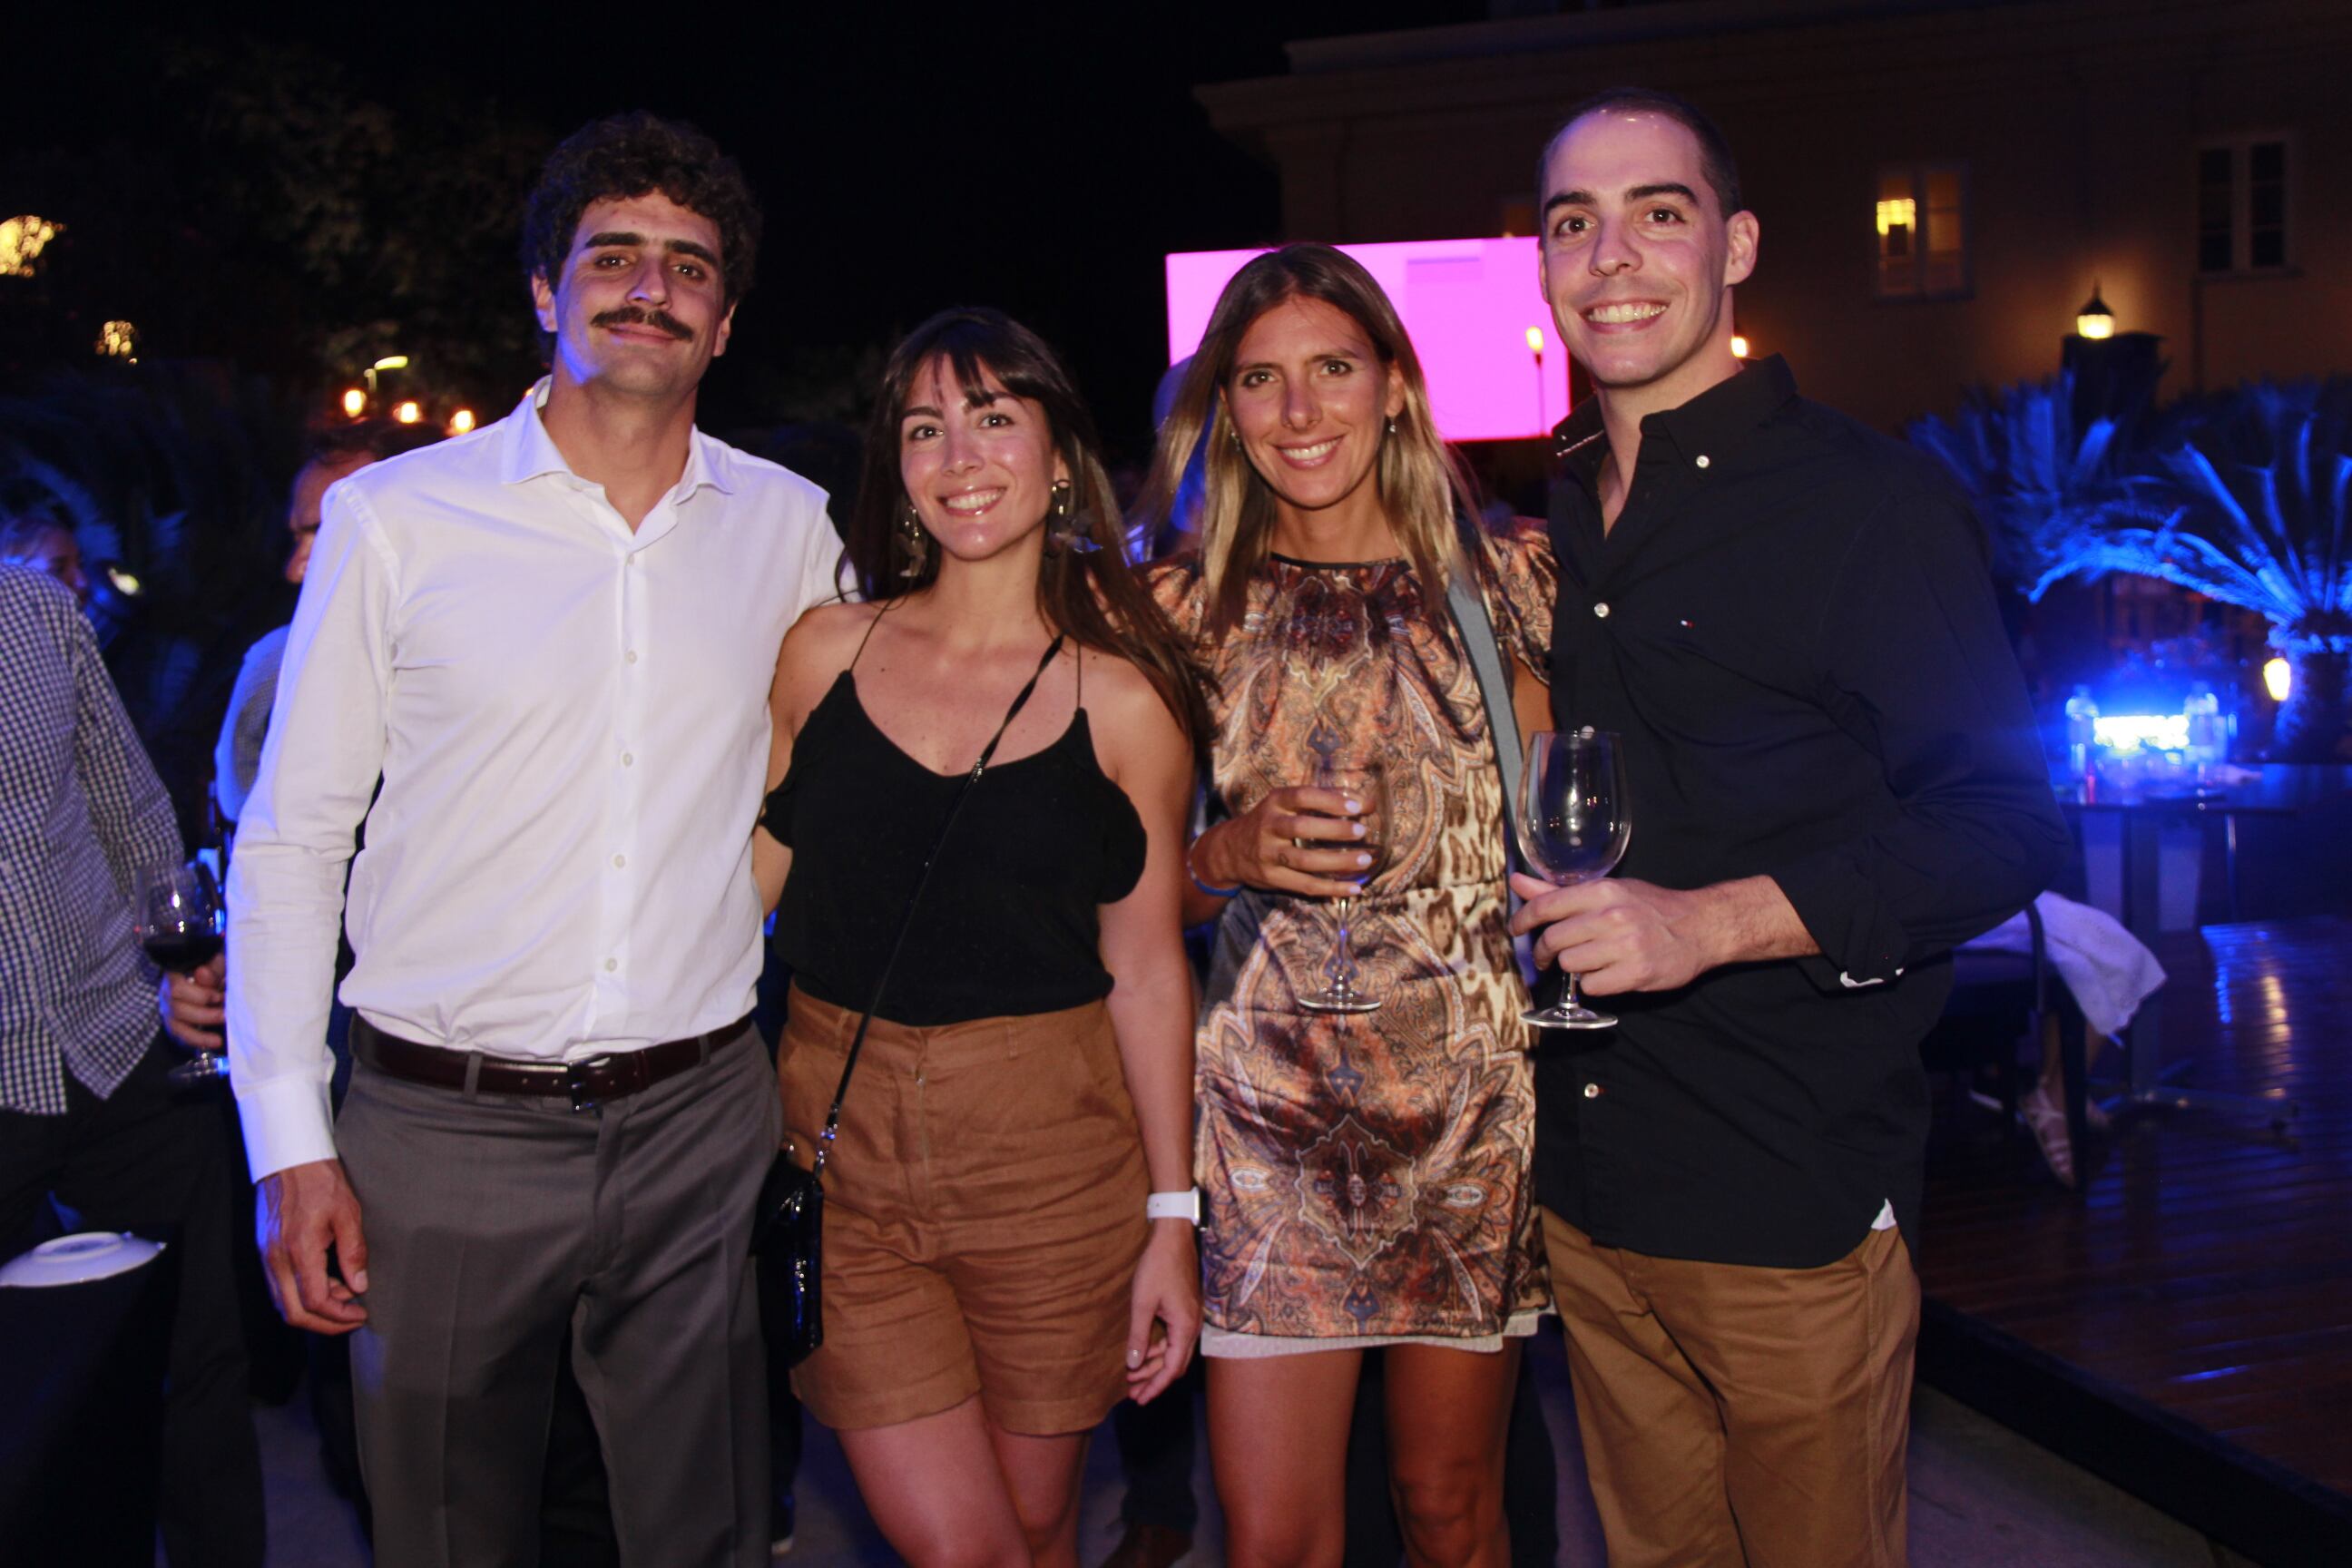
1741 1417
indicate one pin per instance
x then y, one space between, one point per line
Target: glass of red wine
178 915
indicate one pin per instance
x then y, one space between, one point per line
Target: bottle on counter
2082 734
2209 733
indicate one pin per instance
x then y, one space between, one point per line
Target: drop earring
913 544
1070 530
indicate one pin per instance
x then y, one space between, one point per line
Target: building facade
1940 185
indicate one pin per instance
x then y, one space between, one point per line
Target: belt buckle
575 1080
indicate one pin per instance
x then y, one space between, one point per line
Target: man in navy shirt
1834 778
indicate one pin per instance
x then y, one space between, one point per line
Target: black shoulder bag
787 1227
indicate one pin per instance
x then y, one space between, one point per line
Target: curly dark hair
628 155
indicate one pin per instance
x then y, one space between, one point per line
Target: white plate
79 1259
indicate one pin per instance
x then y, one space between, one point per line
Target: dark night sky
1038 157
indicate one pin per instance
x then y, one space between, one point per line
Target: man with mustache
1834 777
552 638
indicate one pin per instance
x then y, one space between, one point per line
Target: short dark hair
373 439
20 531
631 155
1714 151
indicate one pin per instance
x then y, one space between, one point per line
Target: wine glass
1572 826
178 918
1362 780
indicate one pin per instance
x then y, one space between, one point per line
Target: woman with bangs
1365 1175
992 1286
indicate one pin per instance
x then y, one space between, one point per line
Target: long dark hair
1421 485
1095 596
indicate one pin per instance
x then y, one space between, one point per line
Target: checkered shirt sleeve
81 814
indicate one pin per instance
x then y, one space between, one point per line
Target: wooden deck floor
2207 1267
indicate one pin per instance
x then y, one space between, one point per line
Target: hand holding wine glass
1362 783
1573 825
177 915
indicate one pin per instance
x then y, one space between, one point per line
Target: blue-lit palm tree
2242 496
2247 498
177 471
2040 486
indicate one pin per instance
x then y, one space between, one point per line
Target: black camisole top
1008 925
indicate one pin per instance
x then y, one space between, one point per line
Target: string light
354 402
461 422
21 240
408 412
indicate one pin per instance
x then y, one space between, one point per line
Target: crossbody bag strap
1493 672
906 917
1477 629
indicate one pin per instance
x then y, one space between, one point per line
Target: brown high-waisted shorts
983 1215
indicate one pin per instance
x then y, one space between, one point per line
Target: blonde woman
1365 1175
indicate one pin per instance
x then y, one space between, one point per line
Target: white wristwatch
1183 1206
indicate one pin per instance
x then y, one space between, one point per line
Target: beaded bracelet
1195 875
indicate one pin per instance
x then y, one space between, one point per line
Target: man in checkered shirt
86 1116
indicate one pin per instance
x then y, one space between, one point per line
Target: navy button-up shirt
1792 626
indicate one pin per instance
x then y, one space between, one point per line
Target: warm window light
21 240
119 339
2278 679
409 412
1901 211
1534 342
2095 319
461 422
1738 347
354 402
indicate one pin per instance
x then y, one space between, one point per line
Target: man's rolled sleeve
319 769
1920 666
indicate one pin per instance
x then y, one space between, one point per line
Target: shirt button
633 561
1592 1091
1601 610
620 861
628 758
610 964
1701 459
630 656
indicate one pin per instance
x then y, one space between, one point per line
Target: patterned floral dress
1366 1175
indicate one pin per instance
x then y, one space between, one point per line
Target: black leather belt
589 1082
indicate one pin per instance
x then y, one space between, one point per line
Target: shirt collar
532 453
1710 422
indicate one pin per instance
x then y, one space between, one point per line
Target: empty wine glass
1572 827
1364 782
178 917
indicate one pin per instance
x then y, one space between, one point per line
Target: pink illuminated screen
1468 303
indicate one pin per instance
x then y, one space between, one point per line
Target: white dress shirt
570 724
